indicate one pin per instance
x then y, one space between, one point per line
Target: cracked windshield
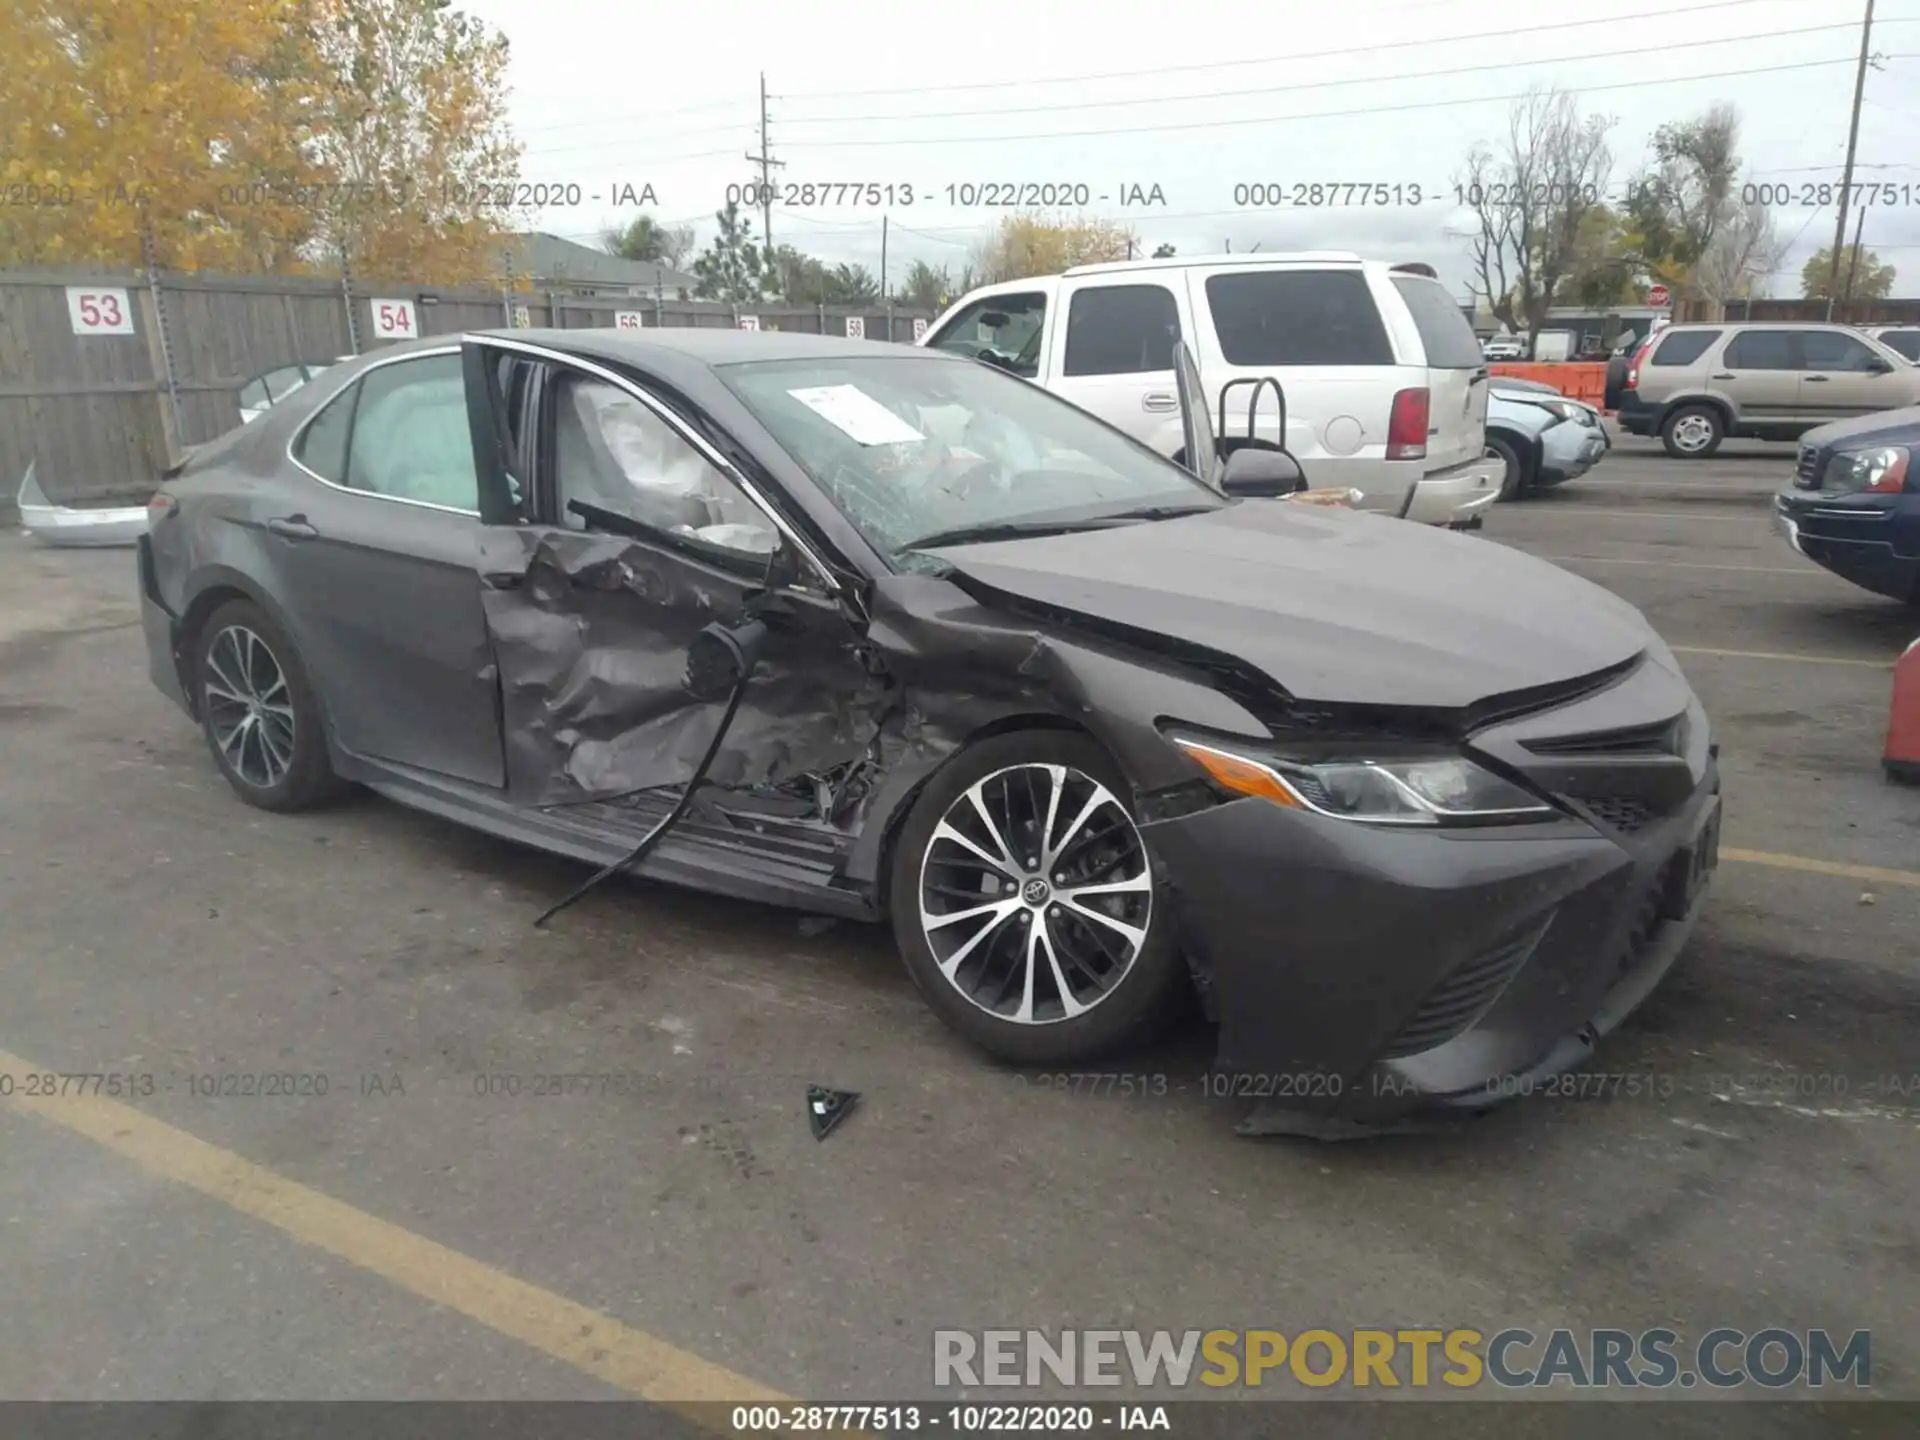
862 718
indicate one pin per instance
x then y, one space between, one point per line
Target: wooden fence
99 401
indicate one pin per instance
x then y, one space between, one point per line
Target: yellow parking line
1685 564
1782 655
586 1339
1824 867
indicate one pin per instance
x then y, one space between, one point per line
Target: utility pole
1853 139
768 165
883 259
1853 263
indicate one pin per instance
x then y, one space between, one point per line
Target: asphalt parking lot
675 1229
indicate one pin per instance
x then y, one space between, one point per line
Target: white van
1386 388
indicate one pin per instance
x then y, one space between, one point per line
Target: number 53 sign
96 311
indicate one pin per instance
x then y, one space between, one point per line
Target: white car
1505 347
1901 339
1384 384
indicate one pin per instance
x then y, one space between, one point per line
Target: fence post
160 347
346 296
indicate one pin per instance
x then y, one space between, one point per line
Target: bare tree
1530 199
1745 249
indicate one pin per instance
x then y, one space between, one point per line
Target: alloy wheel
249 707
1035 893
1693 432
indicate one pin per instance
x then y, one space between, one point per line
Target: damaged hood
1331 605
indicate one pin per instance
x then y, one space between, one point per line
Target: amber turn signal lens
1244 777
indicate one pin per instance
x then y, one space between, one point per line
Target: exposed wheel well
203 605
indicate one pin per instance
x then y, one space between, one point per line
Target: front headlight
1561 408
1436 790
1881 471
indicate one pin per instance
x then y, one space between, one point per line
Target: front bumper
1453 497
1856 542
1362 973
1569 450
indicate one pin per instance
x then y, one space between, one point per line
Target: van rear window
1297 317
1445 333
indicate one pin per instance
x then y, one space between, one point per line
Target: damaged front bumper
1360 974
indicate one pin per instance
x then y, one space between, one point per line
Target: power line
1322 114
1654 15
1292 87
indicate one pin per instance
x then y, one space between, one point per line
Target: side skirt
765 859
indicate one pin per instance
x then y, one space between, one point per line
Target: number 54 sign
96 311
394 319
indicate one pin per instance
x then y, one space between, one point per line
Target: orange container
1902 757
1577 380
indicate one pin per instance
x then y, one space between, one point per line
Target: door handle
294 527
1159 400
1821 379
1726 375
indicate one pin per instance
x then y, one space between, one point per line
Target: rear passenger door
1760 372
1844 376
1111 353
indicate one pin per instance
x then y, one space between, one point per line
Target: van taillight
1407 427
160 507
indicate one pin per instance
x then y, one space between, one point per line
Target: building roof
550 258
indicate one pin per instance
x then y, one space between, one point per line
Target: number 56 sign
96 311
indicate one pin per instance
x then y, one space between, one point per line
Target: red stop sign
1659 297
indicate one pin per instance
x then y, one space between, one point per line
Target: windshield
913 448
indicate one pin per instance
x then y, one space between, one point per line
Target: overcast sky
1195 99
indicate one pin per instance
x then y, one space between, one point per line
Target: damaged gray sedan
886 634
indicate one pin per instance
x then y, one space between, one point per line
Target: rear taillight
1407 426
1633 365
160 507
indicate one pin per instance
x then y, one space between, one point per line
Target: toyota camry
887 634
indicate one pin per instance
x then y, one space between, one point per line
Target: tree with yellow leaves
256 136
414 132
122 119
1031 244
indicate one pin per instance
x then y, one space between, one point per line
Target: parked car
1854 505
1384 381
1412 812
1903 340
1541 437
1505 347
1702 383
262 392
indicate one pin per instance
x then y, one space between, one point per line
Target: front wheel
1693 432
1513 477
1026 906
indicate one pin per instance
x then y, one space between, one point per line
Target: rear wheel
1026 907
258 710
1693 432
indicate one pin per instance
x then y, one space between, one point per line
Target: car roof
706 345
1252 258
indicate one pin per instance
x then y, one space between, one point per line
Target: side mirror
1262 474
721 657
1879 365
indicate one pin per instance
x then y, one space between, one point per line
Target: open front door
614 537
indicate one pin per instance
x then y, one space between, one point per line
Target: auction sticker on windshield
852 410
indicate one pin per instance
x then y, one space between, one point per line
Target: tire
258 711
1513 484
1126 973
1693 432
